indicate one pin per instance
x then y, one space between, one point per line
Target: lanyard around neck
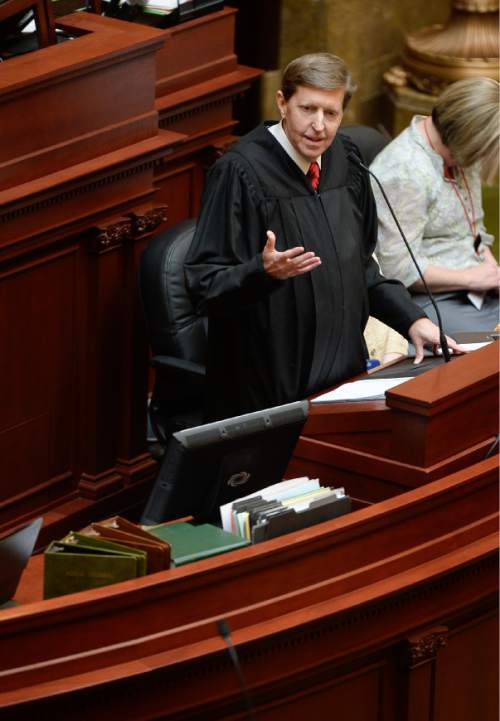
470 217
448 174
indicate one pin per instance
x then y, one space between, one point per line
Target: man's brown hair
318 70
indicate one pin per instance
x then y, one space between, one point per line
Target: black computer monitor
213 464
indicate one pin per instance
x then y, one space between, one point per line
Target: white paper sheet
474 346
360 390
476 298
281 489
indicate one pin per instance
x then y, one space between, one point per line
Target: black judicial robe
272 342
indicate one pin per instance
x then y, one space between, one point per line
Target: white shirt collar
282 138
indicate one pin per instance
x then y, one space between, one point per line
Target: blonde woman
432 175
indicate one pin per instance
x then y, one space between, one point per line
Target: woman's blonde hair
467 119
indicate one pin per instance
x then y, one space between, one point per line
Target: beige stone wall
368 34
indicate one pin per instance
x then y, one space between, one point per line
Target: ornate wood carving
118 232
109 236
425 647
148 221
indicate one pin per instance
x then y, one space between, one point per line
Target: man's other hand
424 331
287 263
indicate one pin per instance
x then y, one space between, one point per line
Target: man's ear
281 103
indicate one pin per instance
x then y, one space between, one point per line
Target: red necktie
313 174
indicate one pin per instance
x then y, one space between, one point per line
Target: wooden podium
387 613
432 425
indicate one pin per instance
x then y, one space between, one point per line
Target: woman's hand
482 277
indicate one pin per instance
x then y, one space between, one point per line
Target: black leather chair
369 140
177 335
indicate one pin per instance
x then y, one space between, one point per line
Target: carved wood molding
99 486
118 232
61 196
109 236
323 633
216 150
169 117
148 221
425 646
221 147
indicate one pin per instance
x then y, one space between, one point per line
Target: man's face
311 118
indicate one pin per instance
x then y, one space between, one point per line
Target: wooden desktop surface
423 431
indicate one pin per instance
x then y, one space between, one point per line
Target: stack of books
119 550
283 507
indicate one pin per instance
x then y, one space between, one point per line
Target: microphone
225 632
442 338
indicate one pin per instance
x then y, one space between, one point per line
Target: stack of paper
283 507
366 389
164 7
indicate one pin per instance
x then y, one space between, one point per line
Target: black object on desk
15 550
406 368
182 13
210 465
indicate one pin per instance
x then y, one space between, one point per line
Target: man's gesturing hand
286 264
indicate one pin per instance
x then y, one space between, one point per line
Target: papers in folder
282 508
368 389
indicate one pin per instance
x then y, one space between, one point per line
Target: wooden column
419 682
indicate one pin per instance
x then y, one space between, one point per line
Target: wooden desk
389 612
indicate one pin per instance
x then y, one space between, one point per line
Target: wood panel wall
105 139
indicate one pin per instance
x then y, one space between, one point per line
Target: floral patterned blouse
427 207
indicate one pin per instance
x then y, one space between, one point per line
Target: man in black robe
283 265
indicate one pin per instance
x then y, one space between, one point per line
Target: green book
98 543
193 542
79 562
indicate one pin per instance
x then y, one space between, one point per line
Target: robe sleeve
223 268
389 300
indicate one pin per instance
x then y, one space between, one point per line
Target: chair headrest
173 324
369 140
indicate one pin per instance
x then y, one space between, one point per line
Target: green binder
191 542
79 562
